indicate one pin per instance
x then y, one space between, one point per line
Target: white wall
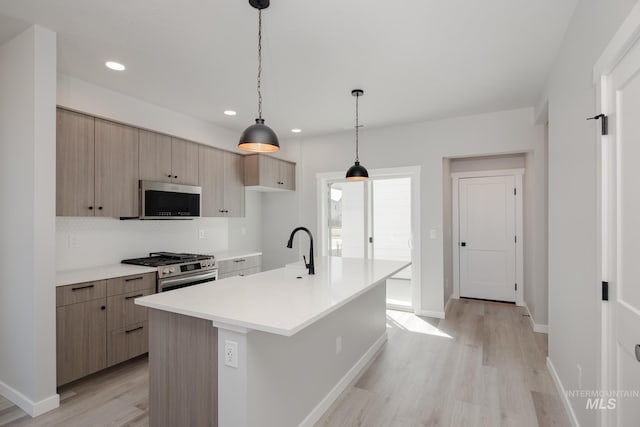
574 305
27 195
424 144
447 227
86 242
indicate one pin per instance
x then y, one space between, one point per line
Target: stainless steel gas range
179 270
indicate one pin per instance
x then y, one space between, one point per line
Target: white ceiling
415 59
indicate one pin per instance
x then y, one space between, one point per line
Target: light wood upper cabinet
222 182
184 162
116 169
155 156
74 164
234 184
267 172
167 159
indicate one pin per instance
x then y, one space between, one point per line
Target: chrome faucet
310 265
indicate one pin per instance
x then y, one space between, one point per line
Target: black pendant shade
259 138
357 172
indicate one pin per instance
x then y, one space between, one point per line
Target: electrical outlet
202 234
74 242
243 231
339 344
231 353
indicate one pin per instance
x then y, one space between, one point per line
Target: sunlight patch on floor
412 323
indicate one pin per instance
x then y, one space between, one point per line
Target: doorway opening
375 219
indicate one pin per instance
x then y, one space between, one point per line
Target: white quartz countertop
223 256
70 277
282 301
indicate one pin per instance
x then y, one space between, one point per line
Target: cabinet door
269 171
184 162
116 169
287 175
233 184
74 164
155 156
211 175
81 339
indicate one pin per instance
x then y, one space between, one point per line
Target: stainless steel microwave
163 200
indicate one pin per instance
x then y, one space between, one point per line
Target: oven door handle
213 274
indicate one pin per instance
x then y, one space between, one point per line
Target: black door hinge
515 239
604 123
516 287
605 291
514 191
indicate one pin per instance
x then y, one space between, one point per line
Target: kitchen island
271 349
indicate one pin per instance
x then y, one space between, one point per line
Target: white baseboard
431 313
29 406
352 375
543 329
562 393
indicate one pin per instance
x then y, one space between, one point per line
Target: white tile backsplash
88 242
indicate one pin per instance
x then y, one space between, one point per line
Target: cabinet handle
131 279
226 211
99 208
169 176
104 307
175 176
134 296
82 287
134 329
90 208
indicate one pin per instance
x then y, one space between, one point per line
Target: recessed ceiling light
296 130
116 66
230 113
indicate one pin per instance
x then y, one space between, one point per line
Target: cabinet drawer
126 343
122 310
248 271
237 264
80 292
126 284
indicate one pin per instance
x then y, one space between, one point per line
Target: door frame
625 37
412 172
455 223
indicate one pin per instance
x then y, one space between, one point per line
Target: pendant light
259 138
357 172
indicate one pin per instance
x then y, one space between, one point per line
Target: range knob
172 270
165 271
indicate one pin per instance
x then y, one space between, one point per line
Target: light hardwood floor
482 366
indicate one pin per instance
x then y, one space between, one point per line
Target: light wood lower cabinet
81 339
243 266
128 342
99 325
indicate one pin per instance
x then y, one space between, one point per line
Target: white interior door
622 237
487 247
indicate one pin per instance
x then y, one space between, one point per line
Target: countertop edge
263 328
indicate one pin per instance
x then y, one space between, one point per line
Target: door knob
463 243
638 352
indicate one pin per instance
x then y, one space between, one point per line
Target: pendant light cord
259 63
357 127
